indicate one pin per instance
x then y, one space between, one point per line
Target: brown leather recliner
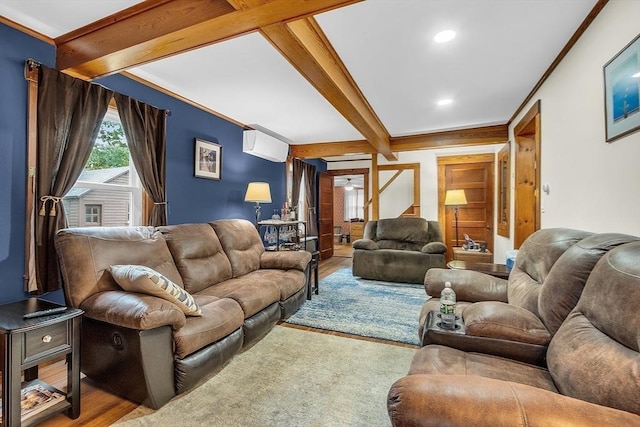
518 317
593 375
399 250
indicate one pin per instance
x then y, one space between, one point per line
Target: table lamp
258 192
455 198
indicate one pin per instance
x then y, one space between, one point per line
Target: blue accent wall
190 199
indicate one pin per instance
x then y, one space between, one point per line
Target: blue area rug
368 308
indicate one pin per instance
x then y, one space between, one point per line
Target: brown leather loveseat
145 348
592 377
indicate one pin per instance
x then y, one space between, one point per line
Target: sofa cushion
595 355
242 244
366 244
403 229
220 317
251 294
499 320
285 260
536 257
198 255
290 282
434 248
145 280
86 253
565 282
441 360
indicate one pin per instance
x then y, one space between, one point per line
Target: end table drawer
46 340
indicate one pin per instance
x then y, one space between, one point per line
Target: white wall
594 185
393 200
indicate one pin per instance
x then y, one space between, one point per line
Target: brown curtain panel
70 112
310 192
145 129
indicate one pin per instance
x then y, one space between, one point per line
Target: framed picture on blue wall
208 159
622 92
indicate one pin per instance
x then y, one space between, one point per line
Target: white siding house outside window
107 196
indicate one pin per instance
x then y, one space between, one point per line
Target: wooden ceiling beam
161 28
485 135
305 46
330 149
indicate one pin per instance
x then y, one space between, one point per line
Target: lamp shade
455 198
258 192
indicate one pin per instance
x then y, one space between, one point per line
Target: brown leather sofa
516 318
143 347
592 376
399 250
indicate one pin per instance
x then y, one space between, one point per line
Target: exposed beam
160 28
306 47
454 138
330 149
485 135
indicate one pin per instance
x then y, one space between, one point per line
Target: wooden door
527 176
474 175
325 216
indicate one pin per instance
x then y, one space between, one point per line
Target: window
354 204
93 215
108 191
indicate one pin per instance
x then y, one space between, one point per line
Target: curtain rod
30 64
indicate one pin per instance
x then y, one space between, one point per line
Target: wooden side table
25 344
460 254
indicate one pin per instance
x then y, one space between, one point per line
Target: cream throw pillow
138 278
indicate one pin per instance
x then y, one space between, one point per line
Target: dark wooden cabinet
24 345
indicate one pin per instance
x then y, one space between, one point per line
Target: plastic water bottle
448 307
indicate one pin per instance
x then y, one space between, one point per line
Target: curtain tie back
44 200
160 203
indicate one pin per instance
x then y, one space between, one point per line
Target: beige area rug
291 378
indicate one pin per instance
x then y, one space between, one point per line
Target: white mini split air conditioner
262 145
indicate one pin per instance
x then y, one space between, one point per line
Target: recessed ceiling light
636 76
444 36
443 102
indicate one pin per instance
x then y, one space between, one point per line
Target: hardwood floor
100 408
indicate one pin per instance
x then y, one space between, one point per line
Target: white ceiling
501 50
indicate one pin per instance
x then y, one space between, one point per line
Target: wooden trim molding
8 22
32 77
504 191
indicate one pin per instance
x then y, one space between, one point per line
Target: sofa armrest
460 400
365 244
133 310
468 285
434 248
500 320
285 260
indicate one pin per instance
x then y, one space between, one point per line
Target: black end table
25 344
313 269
